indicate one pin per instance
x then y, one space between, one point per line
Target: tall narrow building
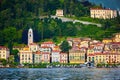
30 36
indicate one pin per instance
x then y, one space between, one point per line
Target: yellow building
100 58
77 56
26 56
105 41
4 52
117 37
102 13
59 12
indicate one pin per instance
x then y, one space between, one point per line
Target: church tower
30 36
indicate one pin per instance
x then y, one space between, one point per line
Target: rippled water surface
60 74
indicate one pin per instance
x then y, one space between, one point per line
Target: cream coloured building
4 52
102 13
77 56
59 12
26 56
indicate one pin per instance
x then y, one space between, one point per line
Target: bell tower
30 36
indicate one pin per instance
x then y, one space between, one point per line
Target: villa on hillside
59 12
102 13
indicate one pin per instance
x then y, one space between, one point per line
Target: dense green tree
10 36
4 62
65 47
16 56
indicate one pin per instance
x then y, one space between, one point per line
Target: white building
55 56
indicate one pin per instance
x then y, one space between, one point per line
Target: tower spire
30 36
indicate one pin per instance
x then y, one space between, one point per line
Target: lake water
113 4
60 74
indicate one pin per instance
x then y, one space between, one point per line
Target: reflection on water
60 74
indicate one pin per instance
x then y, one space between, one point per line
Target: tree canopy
65 47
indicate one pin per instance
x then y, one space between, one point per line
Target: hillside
17 16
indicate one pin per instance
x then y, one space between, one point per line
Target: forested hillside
17 16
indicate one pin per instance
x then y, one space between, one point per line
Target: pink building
45 57
63 58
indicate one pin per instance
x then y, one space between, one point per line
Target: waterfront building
100 58
38 57
111 58
26 56
30 36
4 52
77 56
63 57
55 56
90 54
102 13
45 57
59 12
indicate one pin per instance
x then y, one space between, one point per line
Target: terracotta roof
115 42
56 46
63 53
45 47
33 43
49 42
37 52
76 39
45 52
56 51
91 54
99 9
3 47
69 38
